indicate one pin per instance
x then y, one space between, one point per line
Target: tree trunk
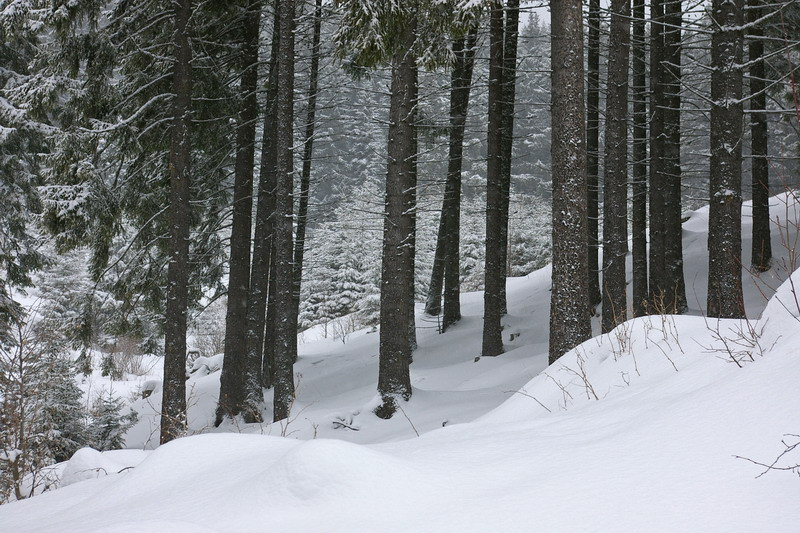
257 368
397 263
448 235
433 303
173 406
762 243
285 339
593 148
657 178
674 285
725 215
569 315
232 377
639 188
495 268
308 150
615 182
510 41
459 102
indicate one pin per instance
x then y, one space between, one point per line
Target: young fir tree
108 424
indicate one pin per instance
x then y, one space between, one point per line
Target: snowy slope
637 430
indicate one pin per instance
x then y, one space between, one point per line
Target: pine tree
232 395
285 324
569 314
615 179
761 256
593 149
639 154
373 34
725 298
674 295
494 271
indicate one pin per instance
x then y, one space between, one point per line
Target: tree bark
639 187
446 263
593 149
173 405
615 182
674 285
510 41
232 377
257 367
397 262
725 298
459 104
762 241
569 315
285 339
308 150
495 269
657 179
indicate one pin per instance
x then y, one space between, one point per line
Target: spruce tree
615 170
569 315
725 298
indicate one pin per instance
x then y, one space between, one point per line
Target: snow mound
88 463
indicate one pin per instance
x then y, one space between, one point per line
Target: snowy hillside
653 427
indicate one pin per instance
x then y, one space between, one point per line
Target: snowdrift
656 426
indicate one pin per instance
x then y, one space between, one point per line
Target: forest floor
657 426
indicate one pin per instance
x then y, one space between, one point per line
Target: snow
651 427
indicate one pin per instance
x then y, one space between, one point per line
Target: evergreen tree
725 298
109 425
569 314
615 170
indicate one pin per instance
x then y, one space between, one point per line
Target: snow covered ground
653 427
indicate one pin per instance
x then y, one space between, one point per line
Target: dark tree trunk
657 178
569 315
510 40
674 285
397 263
762 243
232 377
639 188
615 182
173 405
257 369
433 303
593 148
285 325
459 103
495 268
308 150
268 357
446 257
260 347
725 215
